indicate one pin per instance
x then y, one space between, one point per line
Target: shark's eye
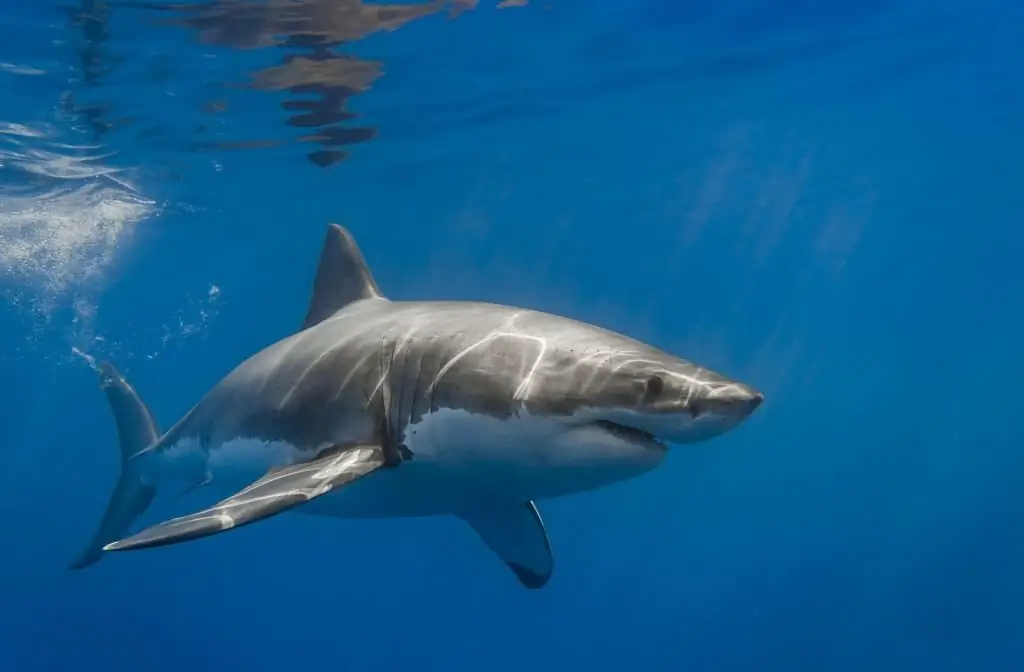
655 386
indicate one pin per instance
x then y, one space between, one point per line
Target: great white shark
381 408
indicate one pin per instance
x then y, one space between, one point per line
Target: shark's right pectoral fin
278 491
516 534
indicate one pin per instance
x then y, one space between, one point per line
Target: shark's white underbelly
457 458
460 458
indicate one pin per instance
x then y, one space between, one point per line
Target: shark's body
381 408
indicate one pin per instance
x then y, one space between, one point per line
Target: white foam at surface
67 215
65 238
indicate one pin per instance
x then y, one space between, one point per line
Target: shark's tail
131 497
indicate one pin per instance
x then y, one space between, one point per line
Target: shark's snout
734 400
740 400
695 414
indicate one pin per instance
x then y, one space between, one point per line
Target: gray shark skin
381 408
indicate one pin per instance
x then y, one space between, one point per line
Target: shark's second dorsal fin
341 278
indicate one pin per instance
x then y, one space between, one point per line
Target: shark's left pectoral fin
516 534
276 492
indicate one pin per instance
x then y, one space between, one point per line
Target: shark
379 408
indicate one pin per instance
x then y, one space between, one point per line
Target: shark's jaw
628 434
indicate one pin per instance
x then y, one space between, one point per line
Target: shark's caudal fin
131 497
341 278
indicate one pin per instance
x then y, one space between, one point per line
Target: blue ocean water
821 199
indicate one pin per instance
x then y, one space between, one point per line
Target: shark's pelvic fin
131 497
516 534
278 491
204 481
342 277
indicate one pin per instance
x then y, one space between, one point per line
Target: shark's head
668 404
641 396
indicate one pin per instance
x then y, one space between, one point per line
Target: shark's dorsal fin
341 278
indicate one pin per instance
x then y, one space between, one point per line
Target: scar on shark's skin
378 408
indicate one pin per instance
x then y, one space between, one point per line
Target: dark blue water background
822 199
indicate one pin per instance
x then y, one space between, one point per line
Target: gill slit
395 418
387 441
416 386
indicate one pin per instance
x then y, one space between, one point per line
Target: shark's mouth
627 433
